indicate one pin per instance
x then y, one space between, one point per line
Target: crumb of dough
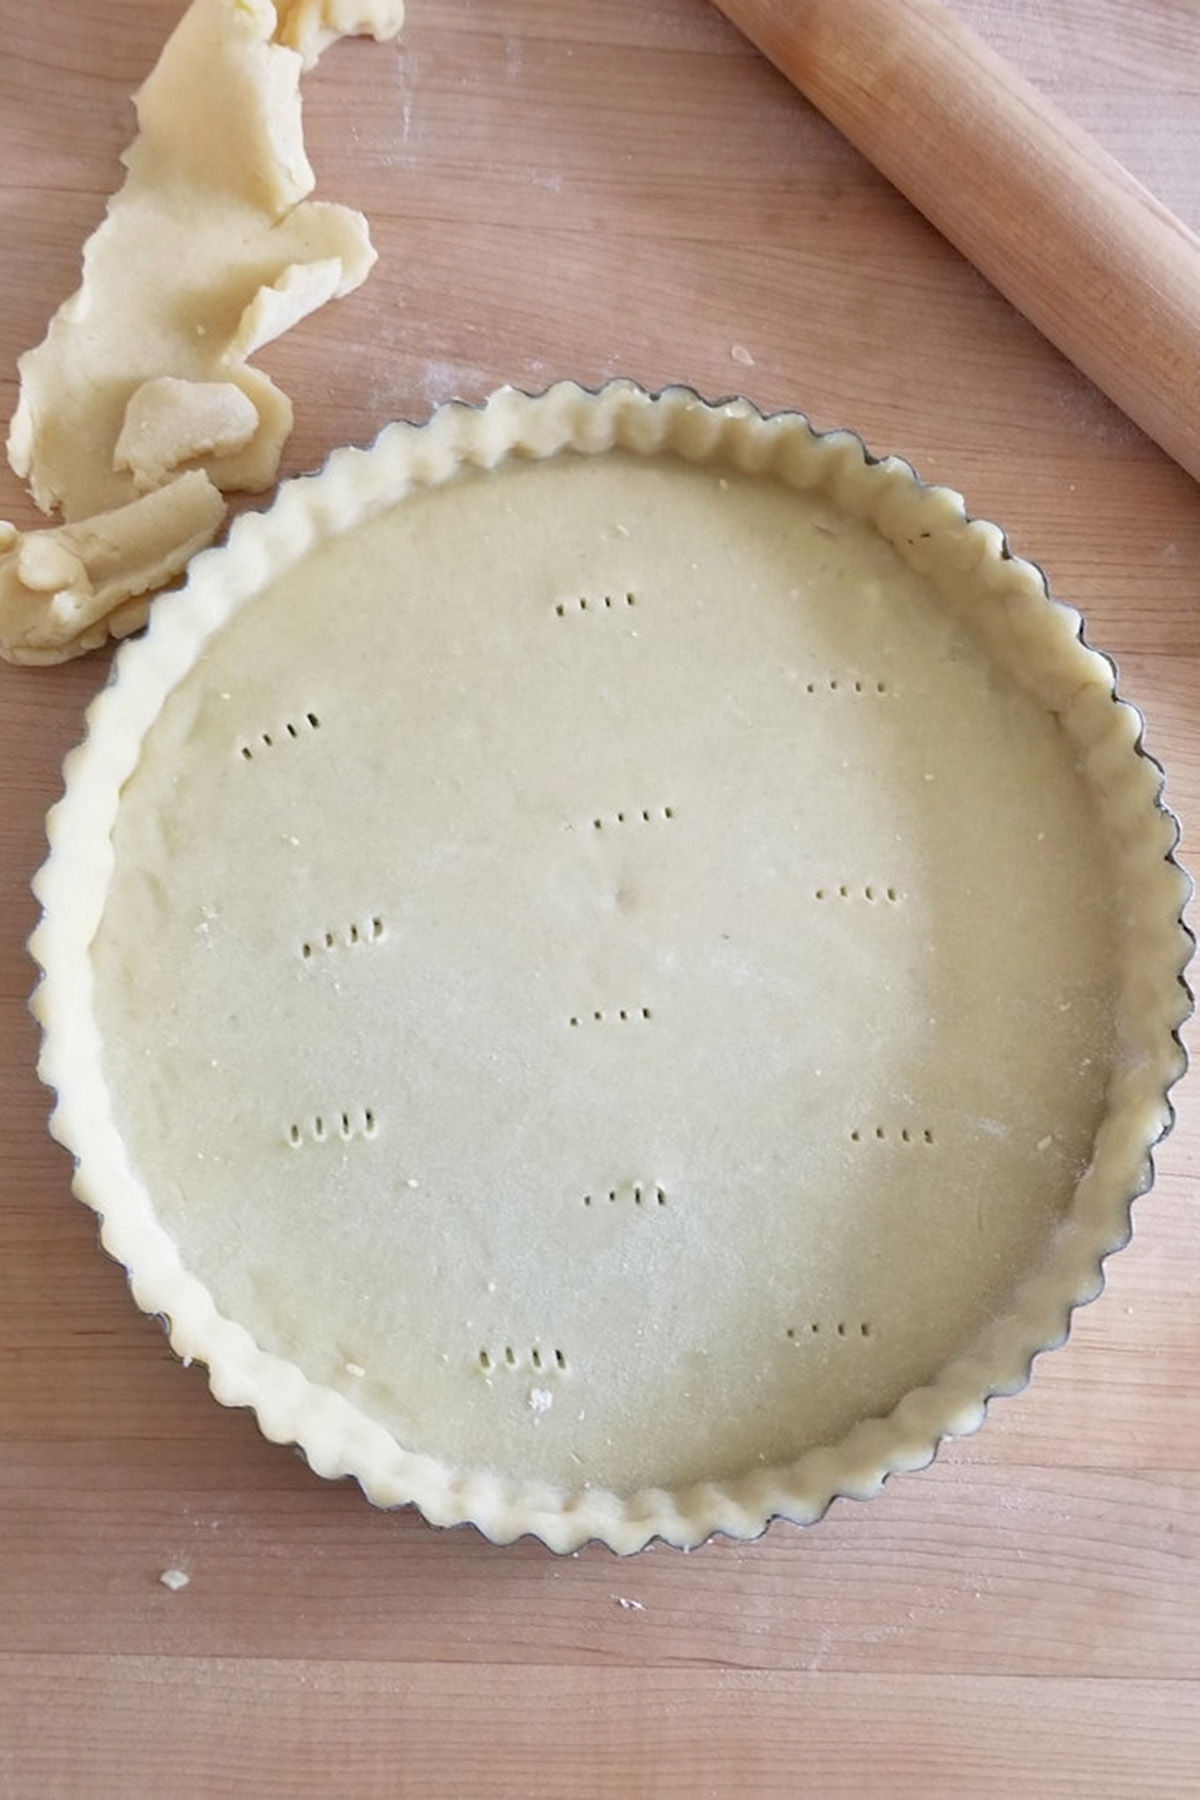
175 1579
208 251
740 354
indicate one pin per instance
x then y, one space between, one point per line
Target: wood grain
1079 246
557 188
665 1733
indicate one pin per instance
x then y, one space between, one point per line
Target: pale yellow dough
208 251
478 785
69 588
614 973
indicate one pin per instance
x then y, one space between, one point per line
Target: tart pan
612 966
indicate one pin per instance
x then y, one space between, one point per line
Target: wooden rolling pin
1081 248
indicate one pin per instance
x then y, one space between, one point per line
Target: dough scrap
66 589
310 26
208 251
168 422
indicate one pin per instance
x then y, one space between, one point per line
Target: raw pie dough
613 970
142 384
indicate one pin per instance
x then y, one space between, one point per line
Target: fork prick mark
341 1126
583 604
613 1015
260 742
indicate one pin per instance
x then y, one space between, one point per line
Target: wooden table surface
558 187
